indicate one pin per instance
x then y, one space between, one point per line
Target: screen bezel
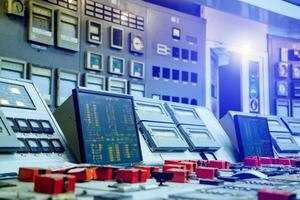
238 133
75 93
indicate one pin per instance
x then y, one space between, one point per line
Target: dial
15 7
138 43
18 6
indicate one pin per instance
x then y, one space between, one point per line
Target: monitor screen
15 96
108 132
253 136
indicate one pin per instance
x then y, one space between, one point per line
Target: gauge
283 70
15 7
136 44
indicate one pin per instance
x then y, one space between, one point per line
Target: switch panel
94 32
41 23
68 30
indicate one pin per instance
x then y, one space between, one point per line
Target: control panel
40 140
192 127
8 140
157 127
284 73
293 124
284 143
109 45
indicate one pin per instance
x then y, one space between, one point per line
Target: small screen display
108 128
138 69
95 61
15 96
117 65
162 133
199 135
149 108
68 30
185 113
117 37
253 136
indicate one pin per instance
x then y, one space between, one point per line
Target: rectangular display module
15 96
253 136
108 132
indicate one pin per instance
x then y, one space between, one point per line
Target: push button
57 146
23 125
47 127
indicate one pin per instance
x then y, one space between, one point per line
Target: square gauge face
282 88
94 61
296 71
283 70
137 69
116 65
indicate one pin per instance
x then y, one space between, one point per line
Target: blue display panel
166 73
166 98
176 99
176 52
185 100
156 71
194 77
194 56
194 102
175 75
253 136
184 76
107 128
184 54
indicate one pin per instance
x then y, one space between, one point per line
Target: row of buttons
166 74
30 125
113 15
72 5
185 54
184 100
32 145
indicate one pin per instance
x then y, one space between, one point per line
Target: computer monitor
253 136
107 130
